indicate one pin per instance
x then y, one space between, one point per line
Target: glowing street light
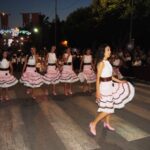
22 38
64 43
3 14
36 30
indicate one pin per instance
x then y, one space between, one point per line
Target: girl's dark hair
49 50
101 52
8 56
85 51
29 53
68 48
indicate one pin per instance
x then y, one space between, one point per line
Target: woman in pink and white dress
53 74
109 94
30 77
88 75
6 78
68 76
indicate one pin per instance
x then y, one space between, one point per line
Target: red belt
105 79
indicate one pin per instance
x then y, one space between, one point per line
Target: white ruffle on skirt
87 75
7 80
31 78
52 76
114 95
68 75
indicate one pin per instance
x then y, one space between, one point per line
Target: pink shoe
34 97
70 92
54 93
107 126
28 92
7 98
66 94
92 129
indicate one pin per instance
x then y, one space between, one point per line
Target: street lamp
64 43
56 22
3 14
36 30
22 38
131 21
130 45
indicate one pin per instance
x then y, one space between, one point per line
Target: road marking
10 125
17 129
124 128
73 137
138 111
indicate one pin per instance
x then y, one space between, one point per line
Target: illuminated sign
14 32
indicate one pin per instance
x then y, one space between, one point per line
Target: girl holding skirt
30 77
88 75
68 76
53 74
111 93
6 78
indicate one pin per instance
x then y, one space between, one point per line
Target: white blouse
4 64
32 60
107 70
69 59
87 59
52 58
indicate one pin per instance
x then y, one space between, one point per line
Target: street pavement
61 122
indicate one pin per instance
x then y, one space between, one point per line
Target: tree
79 27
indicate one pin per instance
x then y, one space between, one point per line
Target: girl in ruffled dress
6 76
52 77
88 75
30 77
111 93
68 76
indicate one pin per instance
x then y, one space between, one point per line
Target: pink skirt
7 80
68 75
31 78
52 76
87 75
114 95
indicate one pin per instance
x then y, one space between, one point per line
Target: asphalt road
61 122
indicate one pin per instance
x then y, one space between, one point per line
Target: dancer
109 95
30 77
88 75
53 75
67 75
6 76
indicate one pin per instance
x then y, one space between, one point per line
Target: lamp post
56 23
131 22
130 44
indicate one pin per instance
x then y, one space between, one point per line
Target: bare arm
118 81
25 63
92 64
11 68
65 59
100 67
81 63
46 61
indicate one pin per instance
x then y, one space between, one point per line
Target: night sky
16 7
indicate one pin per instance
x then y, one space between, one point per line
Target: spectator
137 61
